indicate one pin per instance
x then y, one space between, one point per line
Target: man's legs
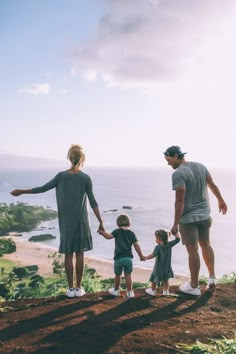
194 264
207 250
192 234
208 256
189 236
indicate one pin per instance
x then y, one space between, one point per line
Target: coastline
31 253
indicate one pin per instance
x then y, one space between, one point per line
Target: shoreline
36 253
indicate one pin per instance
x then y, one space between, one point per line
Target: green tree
21 272
36 282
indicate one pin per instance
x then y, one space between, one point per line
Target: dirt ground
98 323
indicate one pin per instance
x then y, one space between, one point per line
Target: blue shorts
123 264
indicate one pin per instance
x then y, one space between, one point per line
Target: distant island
22 217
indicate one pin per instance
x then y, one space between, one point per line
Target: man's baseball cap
174 150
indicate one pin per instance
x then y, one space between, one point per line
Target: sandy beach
31 253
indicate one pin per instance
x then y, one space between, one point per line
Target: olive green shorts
123 264
195 231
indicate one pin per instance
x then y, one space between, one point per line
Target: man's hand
174 230
223 207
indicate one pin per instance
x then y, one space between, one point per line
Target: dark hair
164 235
123 220
174 150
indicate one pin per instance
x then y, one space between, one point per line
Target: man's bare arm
215 190
179 208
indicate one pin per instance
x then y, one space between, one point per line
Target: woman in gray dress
73 188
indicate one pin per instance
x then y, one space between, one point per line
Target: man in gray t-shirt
192 214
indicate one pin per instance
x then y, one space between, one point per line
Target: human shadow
67 308
98 333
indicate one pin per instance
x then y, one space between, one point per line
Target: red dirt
98 323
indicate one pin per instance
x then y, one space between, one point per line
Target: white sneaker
80 292
151 292
130 294
70 292
211 285
187 289
114 292
166 293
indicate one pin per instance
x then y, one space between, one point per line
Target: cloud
36 89
151 41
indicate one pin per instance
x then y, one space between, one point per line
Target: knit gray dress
72 192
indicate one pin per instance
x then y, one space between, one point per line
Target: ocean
148 192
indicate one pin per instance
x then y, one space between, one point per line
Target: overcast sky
124 78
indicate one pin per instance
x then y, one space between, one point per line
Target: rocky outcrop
42 237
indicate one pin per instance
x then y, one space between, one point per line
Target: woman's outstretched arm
46 187
17 192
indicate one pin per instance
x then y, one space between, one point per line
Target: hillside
17 161
98 323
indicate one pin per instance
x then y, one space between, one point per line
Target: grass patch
214 346
225 279
7 265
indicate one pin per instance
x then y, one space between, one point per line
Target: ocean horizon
149 194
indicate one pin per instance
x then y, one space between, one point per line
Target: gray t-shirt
193 177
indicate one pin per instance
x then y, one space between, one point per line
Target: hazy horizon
10 161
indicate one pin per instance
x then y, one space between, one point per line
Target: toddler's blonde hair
123 220
76 155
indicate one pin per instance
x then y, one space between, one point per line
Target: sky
124 78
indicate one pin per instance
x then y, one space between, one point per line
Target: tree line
22 217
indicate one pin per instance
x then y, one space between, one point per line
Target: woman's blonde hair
76 155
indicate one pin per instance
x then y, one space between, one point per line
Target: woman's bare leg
79 268
69 269
165 284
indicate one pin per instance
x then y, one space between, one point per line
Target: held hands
100 228
101 232
142 258
175 231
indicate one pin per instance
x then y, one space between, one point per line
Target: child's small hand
142 258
